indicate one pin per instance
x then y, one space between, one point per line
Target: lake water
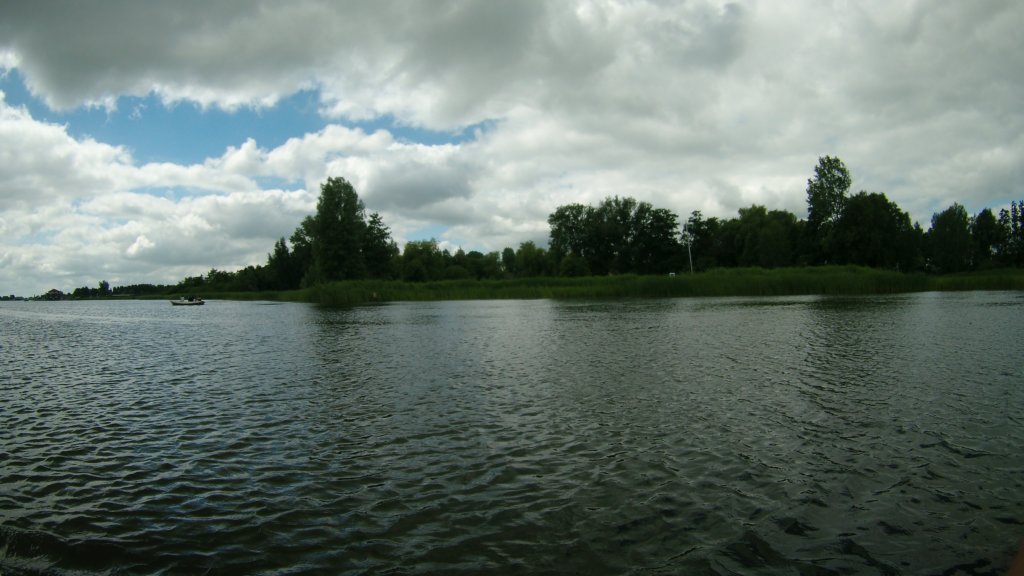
805 435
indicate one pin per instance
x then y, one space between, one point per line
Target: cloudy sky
145 141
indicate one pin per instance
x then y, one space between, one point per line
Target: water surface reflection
733 435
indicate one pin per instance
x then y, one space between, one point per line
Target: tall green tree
569 227
456 266
610 235
1012 222
250 279
336 243
655 240
873 231
826 195
530 260
422 261
751 222
483 266
781 238
765 238
302 253
379 250
1015 223
281 271
987 237
705 240
619 236
729 242
950 240
508 261
338 232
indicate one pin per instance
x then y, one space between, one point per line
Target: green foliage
705 237
765 239
987 237
103 291
422 261
1011 224
531 261
570 230
872 231
826 196
992 279
456 272
472 265
141 290
609 232
302 252
573 266
823 280
619 236
338 242
508 261
379 250
654 246
339 228
950 240
759 237
280 270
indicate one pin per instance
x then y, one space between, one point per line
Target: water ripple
719 436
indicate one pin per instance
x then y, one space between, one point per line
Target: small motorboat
190 301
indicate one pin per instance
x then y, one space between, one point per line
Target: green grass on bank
1002 279
825 280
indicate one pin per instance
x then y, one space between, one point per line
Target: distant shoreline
817 280
722 282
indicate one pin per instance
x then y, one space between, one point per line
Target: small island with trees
849 244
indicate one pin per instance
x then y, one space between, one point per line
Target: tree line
626 236
865 229
341 242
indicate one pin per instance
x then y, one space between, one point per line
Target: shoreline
825 281
722 282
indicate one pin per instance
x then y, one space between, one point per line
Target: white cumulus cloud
707 105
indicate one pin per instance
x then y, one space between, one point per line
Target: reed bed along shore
824 280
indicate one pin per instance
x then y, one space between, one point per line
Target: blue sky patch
184 133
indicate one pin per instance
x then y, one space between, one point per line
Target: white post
688 242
